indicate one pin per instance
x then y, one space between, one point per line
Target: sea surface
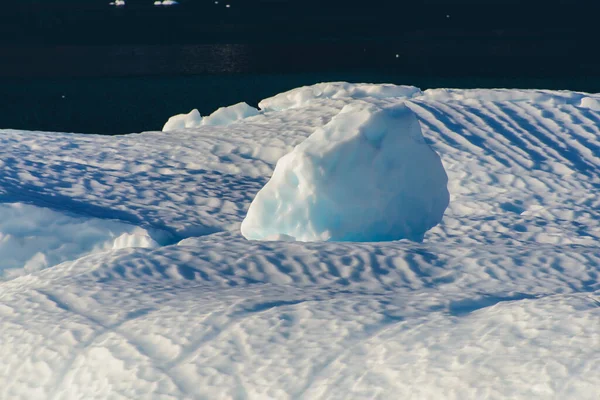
84 66
119 89
121 105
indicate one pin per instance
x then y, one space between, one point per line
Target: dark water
83 66
123 88
134 104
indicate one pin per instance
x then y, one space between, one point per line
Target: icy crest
193 119
368 175
335 90
223 116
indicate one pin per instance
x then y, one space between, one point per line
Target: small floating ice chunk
165 3
368 175
335 90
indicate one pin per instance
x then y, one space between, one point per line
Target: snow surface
367 175
500 300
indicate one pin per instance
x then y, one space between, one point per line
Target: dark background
82 65
434 37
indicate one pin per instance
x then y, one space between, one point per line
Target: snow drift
368 175
34 238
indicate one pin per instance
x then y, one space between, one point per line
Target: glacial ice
227 115
368 175
165 3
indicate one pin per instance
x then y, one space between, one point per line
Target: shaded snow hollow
34 238
367 175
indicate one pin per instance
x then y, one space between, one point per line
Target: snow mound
221 117
335 90
552 97
591 103
193 119
227 115
367 175
34 238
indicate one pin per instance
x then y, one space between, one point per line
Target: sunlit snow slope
124 275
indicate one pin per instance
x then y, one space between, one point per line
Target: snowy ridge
500 300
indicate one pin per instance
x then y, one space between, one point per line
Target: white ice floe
367 175
165 3
227 115
500 300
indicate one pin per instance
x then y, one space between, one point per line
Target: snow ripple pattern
500 300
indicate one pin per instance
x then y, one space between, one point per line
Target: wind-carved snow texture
367 175
500 300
